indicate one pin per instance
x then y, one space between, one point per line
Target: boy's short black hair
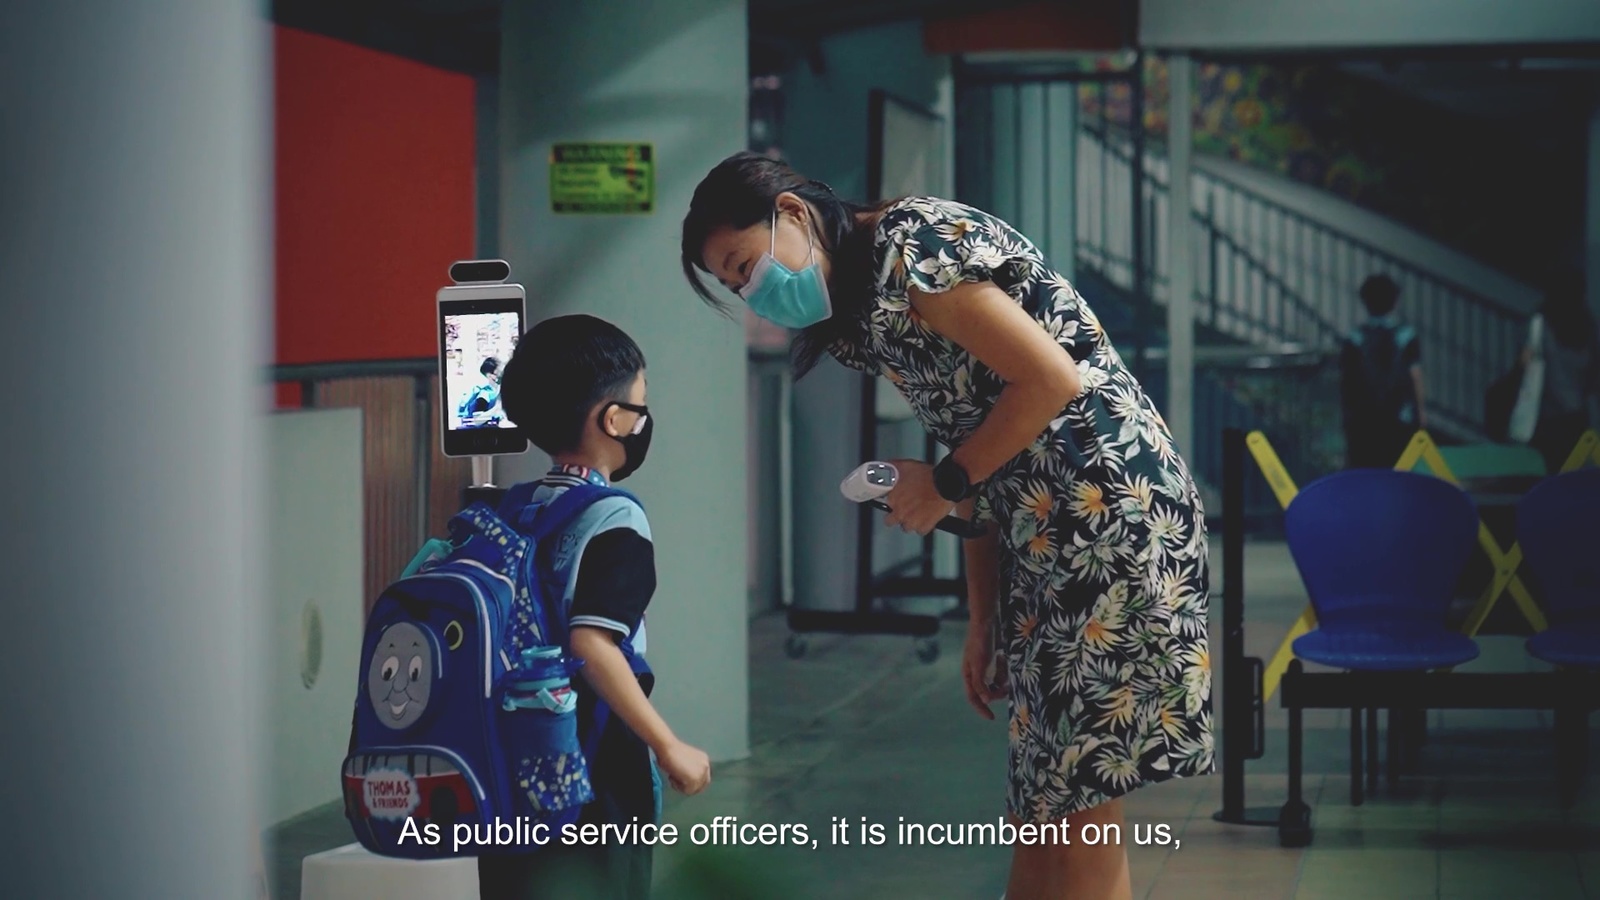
1380 295
561 368
489 366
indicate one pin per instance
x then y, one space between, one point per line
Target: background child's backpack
465 716
1378 384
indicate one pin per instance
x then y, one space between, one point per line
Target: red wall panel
374 198
1086 25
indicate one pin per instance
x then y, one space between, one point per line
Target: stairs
1292 397
1276 278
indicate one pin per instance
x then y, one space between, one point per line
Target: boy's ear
605 413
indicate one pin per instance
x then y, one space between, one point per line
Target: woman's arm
983 590
1041 378
983 578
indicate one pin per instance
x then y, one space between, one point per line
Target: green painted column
673 76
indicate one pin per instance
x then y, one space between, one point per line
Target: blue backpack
466 730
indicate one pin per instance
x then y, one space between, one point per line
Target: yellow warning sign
602 179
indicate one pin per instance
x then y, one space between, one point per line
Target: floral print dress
1103 606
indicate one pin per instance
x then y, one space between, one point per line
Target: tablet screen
477 347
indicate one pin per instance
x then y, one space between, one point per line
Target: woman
1569 347
1101 544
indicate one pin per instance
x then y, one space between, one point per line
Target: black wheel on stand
1294 825
928 650
794 647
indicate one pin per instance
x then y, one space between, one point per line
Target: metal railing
1275 277
410 487
1291 396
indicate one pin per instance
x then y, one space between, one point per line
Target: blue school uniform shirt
605 559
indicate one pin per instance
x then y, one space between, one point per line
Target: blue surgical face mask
787 298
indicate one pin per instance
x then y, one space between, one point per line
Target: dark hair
489 365
562 368
742 191
1380 295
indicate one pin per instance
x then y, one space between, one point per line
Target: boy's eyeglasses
643 411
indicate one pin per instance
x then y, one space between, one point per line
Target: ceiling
1500 90
464 35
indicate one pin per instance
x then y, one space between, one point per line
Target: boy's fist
688 769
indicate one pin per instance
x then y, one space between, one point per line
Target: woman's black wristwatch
951 481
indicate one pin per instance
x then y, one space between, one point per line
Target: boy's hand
688 769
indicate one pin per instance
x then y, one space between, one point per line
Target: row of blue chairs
1381 553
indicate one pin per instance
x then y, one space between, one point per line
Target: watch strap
949 478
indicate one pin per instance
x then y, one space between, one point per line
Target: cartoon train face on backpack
401 673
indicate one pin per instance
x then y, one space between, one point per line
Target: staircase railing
1291 396
1277 278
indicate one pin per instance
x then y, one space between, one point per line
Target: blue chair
1558 528
1380 552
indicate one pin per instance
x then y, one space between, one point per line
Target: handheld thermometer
871 481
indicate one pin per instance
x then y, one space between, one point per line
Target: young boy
1381 381
576 387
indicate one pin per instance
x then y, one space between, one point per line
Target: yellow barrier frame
1423 449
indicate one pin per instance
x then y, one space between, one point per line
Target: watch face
950 480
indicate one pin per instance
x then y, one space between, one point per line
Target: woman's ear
790 204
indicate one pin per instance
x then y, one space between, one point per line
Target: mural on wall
1489 191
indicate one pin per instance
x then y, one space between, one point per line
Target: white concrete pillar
134 242
1180 256
673 75
1062 184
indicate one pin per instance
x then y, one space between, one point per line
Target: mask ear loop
811 242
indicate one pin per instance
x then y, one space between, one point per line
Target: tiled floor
859 728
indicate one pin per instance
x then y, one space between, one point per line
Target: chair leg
1416 736
1294 818
1572 751
1372 750
1396 732
1355 756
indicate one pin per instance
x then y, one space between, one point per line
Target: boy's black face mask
636 444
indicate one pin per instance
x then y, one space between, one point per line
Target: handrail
1250 260
1160 185
363 368
1267 275
414 367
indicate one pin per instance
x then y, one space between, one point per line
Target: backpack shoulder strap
1404 337
518 497
559 514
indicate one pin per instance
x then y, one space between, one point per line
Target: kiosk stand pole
483 489
1242 727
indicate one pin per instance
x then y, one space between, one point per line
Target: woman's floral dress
1103 610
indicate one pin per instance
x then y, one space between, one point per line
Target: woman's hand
915 504
976 658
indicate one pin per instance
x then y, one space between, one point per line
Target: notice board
602 178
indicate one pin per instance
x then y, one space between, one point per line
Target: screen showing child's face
476 349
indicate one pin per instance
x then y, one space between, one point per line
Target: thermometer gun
869 483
